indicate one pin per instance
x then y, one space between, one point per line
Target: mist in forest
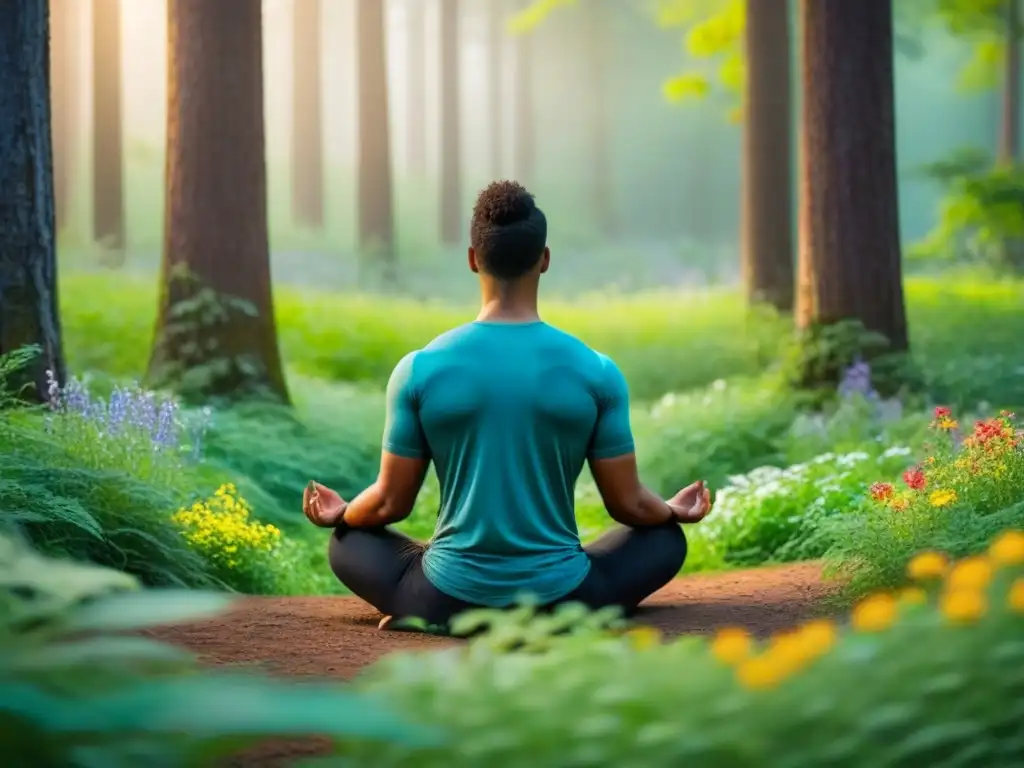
639 192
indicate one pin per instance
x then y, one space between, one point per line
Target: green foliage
963 495
900 695
79 691
982 211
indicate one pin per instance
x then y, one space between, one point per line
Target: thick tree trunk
849 260
524 139
1009 123
376 217
307 116
597 42
495 11
28 263
215 333
65 60
766 211
451 139
107 140
416 117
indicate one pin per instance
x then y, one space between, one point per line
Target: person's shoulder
583 354
448 339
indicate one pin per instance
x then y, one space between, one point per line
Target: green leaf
95 650
146 609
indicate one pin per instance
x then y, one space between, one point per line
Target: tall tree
307 115
376 217
65 53
524 117
416 85
766 210
107 139
495 11
849 258
28 263
215 331
1009 130
598 51
451 139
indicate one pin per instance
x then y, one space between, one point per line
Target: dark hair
508 231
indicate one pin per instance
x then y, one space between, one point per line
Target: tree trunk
1009 124
376 217
849 260
65 60
416 119
307 116
495 88
215 332
28 263
524 146
597 40
766 213
451 140
107 142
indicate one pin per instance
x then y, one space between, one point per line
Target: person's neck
508 304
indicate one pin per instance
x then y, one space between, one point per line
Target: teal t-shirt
509 413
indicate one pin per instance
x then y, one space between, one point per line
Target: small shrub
967 489
932 675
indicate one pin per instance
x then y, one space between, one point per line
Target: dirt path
335 637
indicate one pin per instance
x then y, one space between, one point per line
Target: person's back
508 409
509 412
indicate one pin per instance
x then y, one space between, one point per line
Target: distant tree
495 15
598 52
416 88
65 63
1009 131
28 264
307 115
107 130
849 265
451 134
524 147
376 217
215 331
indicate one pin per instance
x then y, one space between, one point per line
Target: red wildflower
943 412
914 478
881 491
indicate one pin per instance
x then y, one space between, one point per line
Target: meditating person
508 409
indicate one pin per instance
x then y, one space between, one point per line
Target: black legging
385 568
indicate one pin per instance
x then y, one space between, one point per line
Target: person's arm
404 459
612 458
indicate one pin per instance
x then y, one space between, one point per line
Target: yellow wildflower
942 498
963 605
913 596
818 636
970 573
643 638
1015 597
927 565
731 645
760 672
947 423
874 613
1008 549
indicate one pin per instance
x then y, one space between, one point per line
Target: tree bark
307 116
451 139
376 216
524 140
107 140
65 59
597 40
1009 125
215 332
416 119
849 258
766 211
496 78
28 263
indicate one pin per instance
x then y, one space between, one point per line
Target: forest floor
335 637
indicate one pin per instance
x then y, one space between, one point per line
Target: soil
335 637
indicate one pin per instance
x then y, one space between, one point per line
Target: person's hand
322 506
692 504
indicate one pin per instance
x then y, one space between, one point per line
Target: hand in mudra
322 506
692 504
